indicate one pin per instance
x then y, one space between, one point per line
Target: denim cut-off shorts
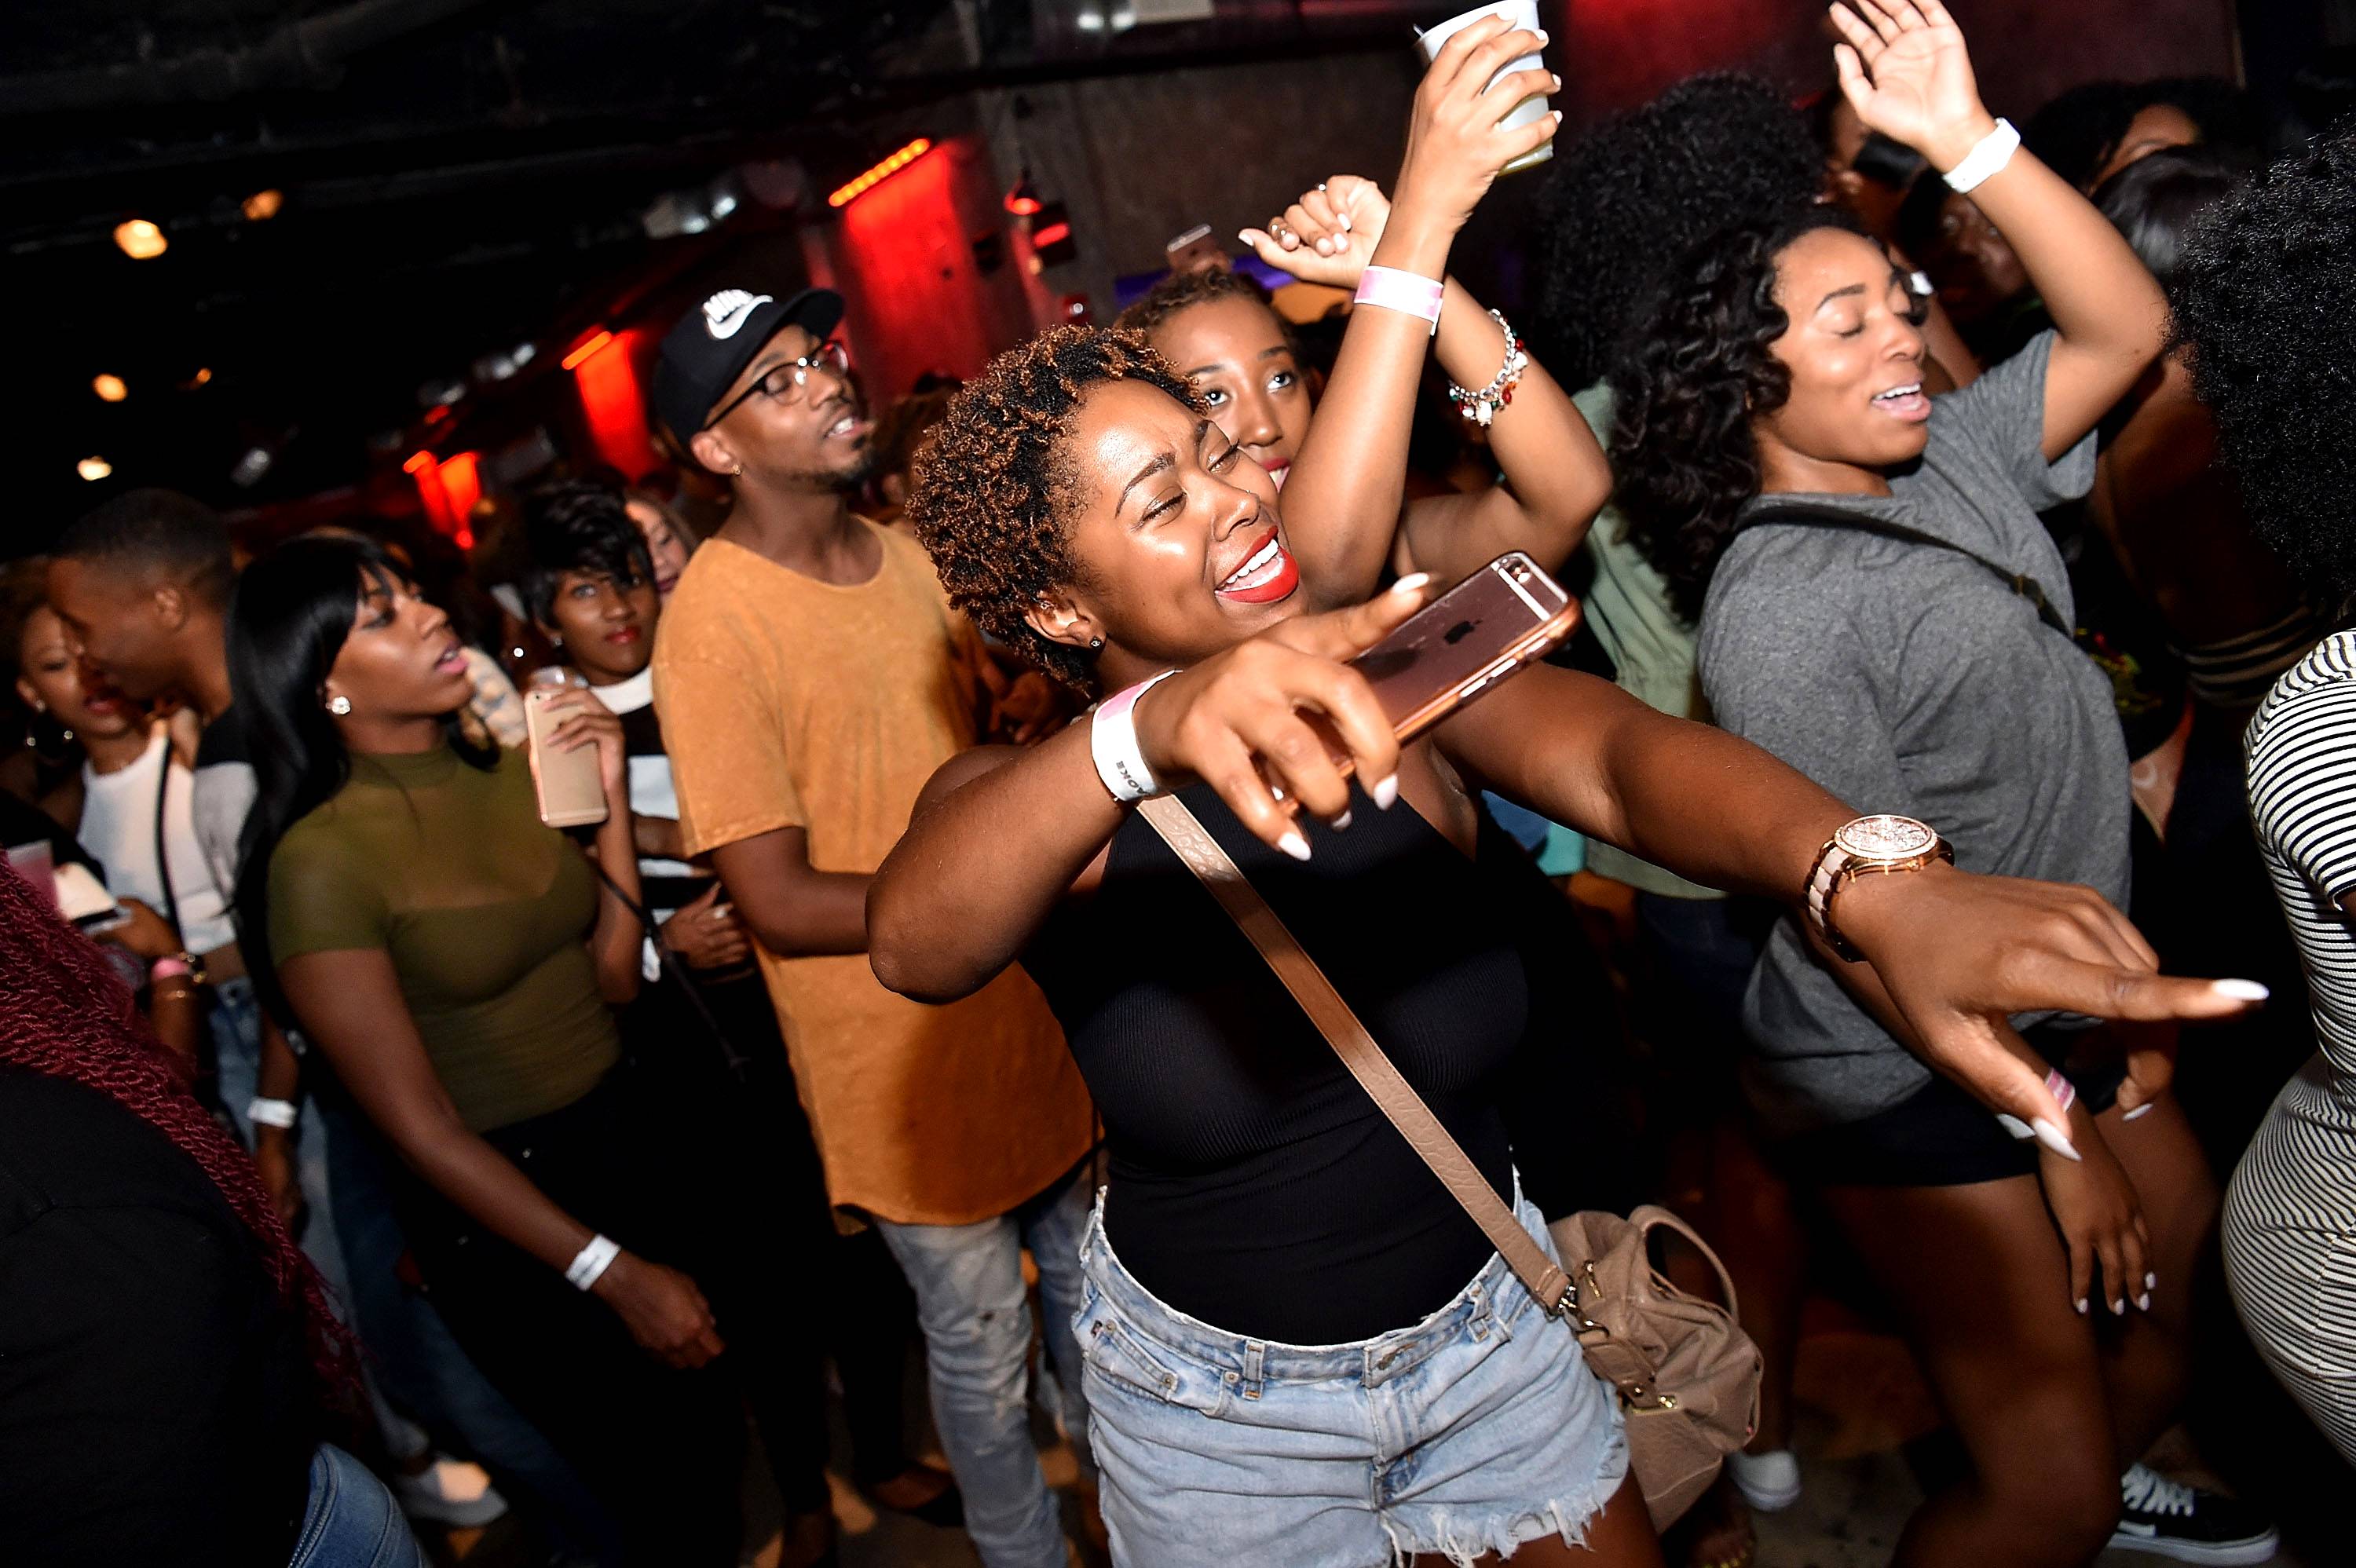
1470 1433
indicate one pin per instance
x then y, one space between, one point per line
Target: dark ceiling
458 175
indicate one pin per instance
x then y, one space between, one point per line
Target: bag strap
1392 1095
171 910
2020 582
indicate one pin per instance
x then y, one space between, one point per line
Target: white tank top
118 828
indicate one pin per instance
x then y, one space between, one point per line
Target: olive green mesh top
485 912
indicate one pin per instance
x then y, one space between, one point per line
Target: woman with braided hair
169 1368
1299 1348
1880 608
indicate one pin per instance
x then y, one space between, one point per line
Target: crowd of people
1957 520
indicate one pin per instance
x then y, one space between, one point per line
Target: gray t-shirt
1904 676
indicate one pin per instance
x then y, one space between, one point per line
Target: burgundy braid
65 1012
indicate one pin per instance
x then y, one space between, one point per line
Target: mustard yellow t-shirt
789 702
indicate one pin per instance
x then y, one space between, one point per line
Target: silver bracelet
1482 406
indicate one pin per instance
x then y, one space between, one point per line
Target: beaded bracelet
1482 406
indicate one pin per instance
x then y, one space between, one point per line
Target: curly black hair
1681 440
1619 206
2265 302
993 487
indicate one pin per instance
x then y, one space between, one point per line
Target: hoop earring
339 705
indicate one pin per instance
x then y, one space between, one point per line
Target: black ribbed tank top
1254 1184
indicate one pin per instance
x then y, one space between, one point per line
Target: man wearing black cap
810 675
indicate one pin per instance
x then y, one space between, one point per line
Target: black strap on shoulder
171 910
2020 582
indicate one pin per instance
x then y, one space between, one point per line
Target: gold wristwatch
1868 845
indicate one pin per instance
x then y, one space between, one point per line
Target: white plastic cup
1524 14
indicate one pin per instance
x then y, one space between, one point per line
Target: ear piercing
1095 643
339 705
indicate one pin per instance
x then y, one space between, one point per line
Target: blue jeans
351 1522
975 1314
1470 1433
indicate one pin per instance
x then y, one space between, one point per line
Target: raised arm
1557 477
1343 497
1905 71
351 1007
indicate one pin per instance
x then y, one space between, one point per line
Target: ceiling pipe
305 54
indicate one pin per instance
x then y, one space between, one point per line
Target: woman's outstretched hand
1329 235
1905 71
1958 953
1235 720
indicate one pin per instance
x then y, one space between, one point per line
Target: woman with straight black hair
453 959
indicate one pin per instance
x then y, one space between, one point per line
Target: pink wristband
2061 1089
1394 290
165 968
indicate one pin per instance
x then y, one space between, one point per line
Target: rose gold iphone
1506 615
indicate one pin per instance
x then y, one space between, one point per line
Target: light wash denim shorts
1473 1431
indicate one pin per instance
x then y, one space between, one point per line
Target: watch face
1886 839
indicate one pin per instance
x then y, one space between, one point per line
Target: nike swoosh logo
725 313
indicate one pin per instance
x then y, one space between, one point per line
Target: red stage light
419 461
1054 234
588 346
845 194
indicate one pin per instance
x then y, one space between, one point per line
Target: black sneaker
2168 1519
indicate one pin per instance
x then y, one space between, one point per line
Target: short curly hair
1620 205
994 486
1706 365
2265 305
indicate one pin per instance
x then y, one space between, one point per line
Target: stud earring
1095 643
339 705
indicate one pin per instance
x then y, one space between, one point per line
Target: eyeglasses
782 381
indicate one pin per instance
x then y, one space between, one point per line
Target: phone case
571 794
1506 615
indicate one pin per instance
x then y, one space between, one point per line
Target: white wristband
1992 153
591 1261
268 1113
1112 742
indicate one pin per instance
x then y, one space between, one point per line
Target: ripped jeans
1476 1430
975 1318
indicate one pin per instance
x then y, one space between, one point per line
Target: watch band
1836 865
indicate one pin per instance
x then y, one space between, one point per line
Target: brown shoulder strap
1335 1020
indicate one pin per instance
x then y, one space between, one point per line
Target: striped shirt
2235 672
2289 1223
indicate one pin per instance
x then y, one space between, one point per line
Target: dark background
464 181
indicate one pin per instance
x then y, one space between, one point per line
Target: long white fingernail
2142 1110
1244 235
2015 1125
2054 1138
1294 845
1414 581
2242 991
2151 1281
1383 791
1341 822
2081 1307
2118 1309
1346 222
2144 1301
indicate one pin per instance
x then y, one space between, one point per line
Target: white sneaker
1769 1482
452 1492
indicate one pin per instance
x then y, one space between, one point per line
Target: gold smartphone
1507 615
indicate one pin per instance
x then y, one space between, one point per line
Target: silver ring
1320 185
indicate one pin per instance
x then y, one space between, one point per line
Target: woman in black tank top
1264 1226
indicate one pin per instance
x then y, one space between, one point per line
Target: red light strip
589 347
1052 234
844 195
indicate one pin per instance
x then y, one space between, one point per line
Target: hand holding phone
1278 723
